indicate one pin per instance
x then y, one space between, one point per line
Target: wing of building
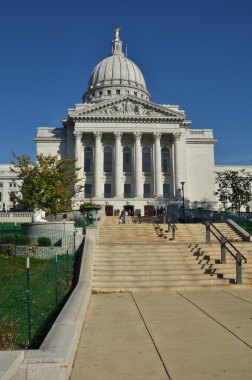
131 150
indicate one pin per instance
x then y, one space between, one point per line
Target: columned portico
118 164
97 164
138 165
158 184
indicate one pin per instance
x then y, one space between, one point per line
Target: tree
48 183
234 189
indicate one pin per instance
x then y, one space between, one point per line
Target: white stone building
132 151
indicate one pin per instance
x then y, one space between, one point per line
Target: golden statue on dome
117 30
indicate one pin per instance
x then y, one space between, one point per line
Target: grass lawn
246 225
49 282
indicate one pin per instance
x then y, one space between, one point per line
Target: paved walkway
162 335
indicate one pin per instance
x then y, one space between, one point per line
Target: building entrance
149 210
129 207
109 210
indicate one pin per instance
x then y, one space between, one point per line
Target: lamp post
183 197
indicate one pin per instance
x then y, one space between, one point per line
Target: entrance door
109 210
129 207
149 210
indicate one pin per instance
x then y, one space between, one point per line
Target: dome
114 76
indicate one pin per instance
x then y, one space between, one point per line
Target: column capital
176 136
138 135
77 135
118 135
157 136
98 135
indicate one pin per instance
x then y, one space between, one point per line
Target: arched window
165 160
146 160
107 167
127 160
88 160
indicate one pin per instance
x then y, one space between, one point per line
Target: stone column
97 165
158 182
180 160
78 159
118 165
173 191
138 165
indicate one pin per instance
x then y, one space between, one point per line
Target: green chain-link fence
35 278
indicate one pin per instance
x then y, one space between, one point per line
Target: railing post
223 250
169 226
238 269
208 233
28 299
164 217
173 232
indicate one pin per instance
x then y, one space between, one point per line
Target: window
135 93
127 190
100 93
127 160
117 92
107 190
88 190
166 190
107 160
108 92
165 160
146 160
88 160
1 184
0 197
147 190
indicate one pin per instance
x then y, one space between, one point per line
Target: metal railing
223 240
36 274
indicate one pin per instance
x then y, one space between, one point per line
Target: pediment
126 107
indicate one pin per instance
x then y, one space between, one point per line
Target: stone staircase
208 257
134 257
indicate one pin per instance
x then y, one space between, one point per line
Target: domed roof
115 75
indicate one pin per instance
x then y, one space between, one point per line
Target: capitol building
132 152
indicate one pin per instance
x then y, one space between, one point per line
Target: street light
183 195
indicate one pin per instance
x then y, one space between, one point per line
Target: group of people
122 216
159 211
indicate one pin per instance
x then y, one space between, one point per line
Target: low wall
18 217
240 231
54 359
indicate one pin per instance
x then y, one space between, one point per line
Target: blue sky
197 54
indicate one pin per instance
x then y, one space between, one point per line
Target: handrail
227 240
223 240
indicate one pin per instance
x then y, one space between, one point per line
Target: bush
44 241
23 240
7 239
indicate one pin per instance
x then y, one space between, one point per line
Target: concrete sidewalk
163 335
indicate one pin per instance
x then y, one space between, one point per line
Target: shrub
7 239
44 241
23 240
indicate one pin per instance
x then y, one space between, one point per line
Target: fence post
208 233
238 269
56 279
67 269
173 232
223 250
15 239
28 298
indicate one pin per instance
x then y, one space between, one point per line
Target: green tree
48 183
234 189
